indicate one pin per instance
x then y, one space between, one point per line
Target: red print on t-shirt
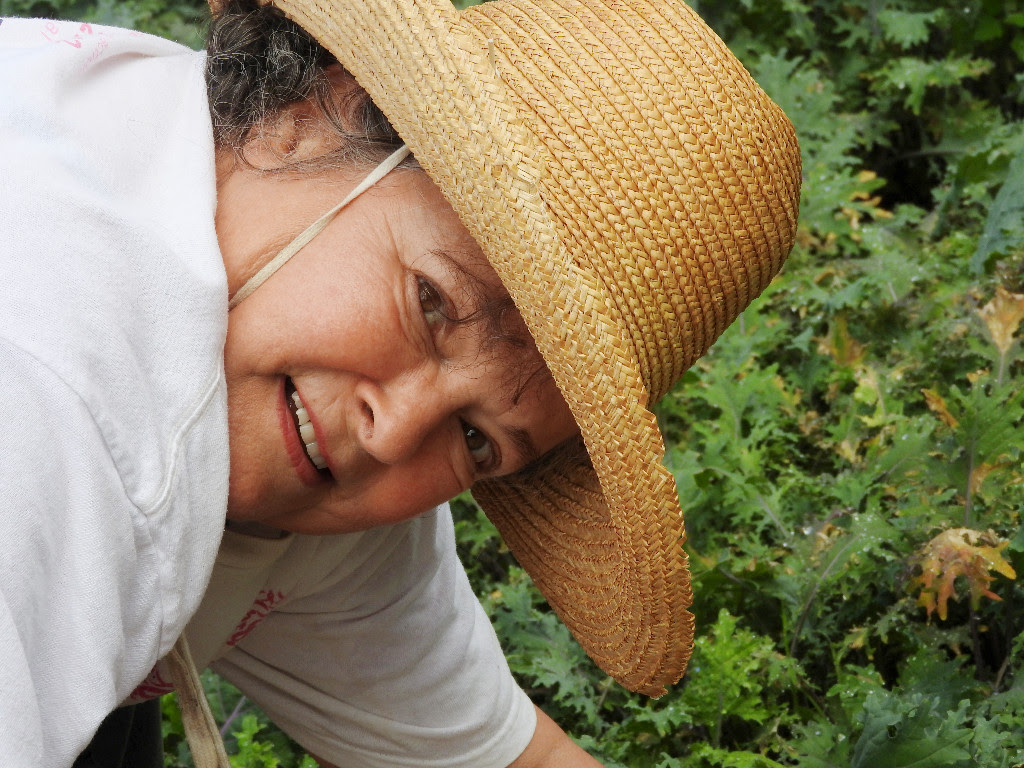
156 685
69 34
262 605
153 686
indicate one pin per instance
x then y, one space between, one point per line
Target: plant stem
967 491
717 742
786 533
231 718
979 662
814 591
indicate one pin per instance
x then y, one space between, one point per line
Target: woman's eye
430 302
479 446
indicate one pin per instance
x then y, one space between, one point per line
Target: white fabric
370 649
113 408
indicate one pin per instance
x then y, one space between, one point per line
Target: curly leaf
1004 228
1003 316
905 28
959 552
911 733
937 405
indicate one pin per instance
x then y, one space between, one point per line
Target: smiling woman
359 257
406 407
371 437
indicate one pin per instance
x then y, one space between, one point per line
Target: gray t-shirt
369 648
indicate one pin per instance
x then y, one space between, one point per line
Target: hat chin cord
318 226
201 732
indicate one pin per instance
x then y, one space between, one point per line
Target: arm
550 747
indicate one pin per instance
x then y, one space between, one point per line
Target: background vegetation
850 451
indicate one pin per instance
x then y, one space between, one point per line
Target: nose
398 416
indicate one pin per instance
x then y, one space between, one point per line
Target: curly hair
259 61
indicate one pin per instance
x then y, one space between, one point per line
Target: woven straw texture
635 190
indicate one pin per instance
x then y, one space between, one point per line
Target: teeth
307 434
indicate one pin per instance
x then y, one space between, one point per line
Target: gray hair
259 61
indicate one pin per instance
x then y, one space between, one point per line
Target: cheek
251 411
407 491
320 302
392 493
254 437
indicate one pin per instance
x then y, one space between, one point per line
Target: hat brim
602 539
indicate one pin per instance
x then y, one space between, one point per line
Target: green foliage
868 404
252 753
935 92
250 739
911 731
1004 227
734 673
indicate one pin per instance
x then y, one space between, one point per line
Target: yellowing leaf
825 274
867 391
1002 316
938 406
846 350
959 552
978 475
848 451
852 215
857 638
807 421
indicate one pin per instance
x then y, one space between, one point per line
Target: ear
301 130
295 133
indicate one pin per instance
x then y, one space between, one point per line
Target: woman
597 191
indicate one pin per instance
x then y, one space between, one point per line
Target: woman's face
353 400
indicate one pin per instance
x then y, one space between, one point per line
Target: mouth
304 428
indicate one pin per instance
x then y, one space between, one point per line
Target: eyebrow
524 444
465 280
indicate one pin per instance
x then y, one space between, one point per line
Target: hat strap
204 739
317 227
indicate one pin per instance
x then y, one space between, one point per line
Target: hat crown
670 175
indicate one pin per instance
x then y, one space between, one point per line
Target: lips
304 427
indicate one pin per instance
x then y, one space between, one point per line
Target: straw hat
634 189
